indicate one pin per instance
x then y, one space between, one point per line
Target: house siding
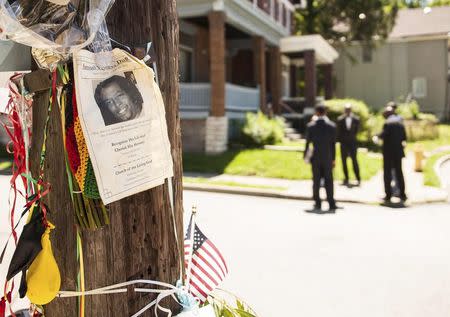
429 59
389 76
193 132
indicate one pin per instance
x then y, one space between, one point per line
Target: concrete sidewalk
370 192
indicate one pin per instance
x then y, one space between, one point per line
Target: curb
276 194
437 168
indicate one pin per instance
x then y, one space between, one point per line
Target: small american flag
207 268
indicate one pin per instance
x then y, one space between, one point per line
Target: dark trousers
393 164
350 150
323 170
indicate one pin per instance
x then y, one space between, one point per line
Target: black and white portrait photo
119 99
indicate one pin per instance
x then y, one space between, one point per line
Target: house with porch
238 56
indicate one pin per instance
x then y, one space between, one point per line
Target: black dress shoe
387 200
333 208
317 207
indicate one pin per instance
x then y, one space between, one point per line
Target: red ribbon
3 300
16 146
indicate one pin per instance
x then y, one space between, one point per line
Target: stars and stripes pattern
207 267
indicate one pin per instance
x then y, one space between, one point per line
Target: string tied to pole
179 293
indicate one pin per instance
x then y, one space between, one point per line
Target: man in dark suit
347 127
321 132
394 138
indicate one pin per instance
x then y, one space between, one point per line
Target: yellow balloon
43 277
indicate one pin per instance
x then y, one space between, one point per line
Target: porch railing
239 100
195 100
281 11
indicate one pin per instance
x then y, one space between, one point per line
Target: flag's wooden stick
191 250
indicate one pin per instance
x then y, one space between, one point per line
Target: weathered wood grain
140 241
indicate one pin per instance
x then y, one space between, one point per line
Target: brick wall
193 135
217 59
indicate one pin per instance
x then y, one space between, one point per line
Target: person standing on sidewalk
394 117
394 138
322 134
347 127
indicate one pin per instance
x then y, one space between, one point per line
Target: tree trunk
140 242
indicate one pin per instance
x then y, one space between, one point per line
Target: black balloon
29 245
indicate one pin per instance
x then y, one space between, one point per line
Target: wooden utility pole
140 242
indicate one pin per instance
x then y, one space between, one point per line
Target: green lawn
429 145
267 163
202 180
5 165
429 175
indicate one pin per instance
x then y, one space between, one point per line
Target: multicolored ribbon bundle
90 211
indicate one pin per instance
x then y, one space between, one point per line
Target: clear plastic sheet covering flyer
122 117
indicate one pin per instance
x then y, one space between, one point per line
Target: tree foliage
342 21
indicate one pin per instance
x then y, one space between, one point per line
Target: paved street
362 261
445 170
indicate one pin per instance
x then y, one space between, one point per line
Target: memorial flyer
122 117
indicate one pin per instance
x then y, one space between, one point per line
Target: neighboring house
223 62
414 61
238 56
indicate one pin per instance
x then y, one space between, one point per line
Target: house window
367 54
186 62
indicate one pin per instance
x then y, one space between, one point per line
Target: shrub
260 130
409 110
428 117
375 124
419 126
359 108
